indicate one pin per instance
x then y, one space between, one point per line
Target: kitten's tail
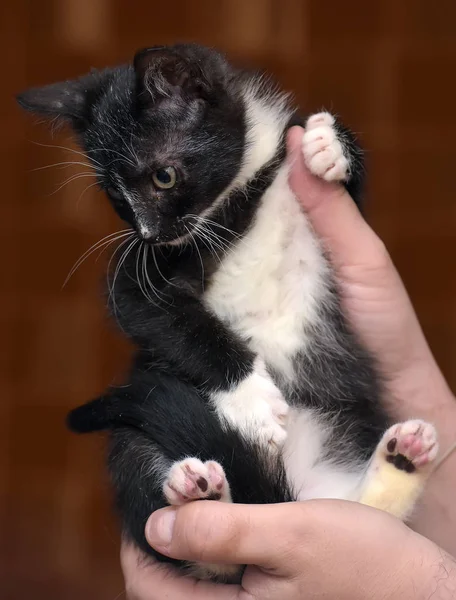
97 415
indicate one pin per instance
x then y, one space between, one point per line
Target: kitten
249 384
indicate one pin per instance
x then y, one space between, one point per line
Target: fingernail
159 527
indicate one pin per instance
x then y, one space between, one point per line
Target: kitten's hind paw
401 464
410 445
191 479
323 151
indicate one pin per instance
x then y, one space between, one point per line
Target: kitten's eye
165 178
114 194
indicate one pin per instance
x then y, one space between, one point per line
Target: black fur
182 106
158 415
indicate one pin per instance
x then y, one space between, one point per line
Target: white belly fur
269 285
268 289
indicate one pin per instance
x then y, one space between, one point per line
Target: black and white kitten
248 385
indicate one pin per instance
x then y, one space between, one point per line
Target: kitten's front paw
410 445
256 408
191 479
323 151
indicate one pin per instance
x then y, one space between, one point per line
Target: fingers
263 535
149 580
332 212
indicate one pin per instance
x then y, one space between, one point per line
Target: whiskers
145 269
63 165
71 179
94 167
92 170
141 274
194 242
128 243
127 240
146 281
96 164
205 229
112 283
68 149
102 245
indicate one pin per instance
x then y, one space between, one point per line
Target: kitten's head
165 135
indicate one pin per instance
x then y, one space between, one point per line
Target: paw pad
191 479
411 445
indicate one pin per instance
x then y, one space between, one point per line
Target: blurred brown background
386 66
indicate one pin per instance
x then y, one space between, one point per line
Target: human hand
374 298
379 309
315 549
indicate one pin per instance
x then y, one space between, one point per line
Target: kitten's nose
146 233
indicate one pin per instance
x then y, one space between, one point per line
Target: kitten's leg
400 466
210 356
191 479
331 152
255 407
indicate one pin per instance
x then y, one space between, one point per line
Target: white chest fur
269 285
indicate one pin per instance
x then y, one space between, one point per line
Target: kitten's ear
163 72
69 100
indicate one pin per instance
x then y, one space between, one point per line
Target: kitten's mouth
178 241
190 229
158 234
181 232
175 238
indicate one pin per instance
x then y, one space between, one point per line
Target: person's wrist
413 568
417 569
432 572
421 391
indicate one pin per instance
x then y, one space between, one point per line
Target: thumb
218 532
332 212
151 580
